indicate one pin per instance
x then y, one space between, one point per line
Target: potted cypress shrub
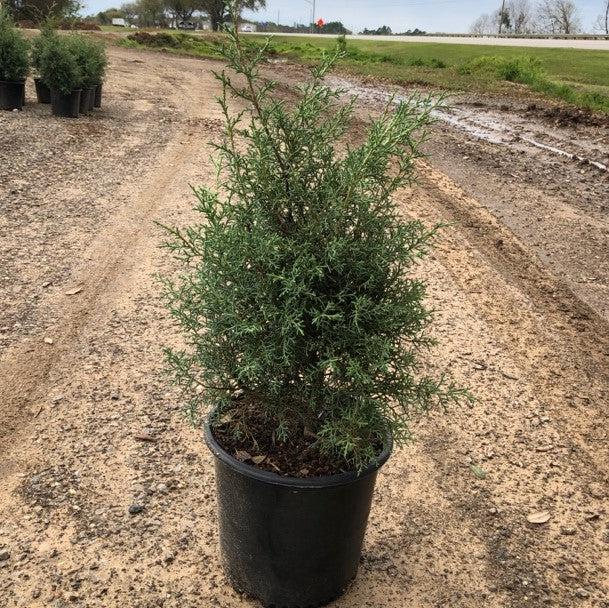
14 64
100 61
48 34
84 51
60 71
303 324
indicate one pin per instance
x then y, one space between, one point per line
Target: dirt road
106 493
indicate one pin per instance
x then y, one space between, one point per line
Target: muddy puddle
511 129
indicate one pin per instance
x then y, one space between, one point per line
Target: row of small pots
79 101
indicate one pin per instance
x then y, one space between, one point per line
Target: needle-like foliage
297 291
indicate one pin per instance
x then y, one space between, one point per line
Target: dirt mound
160 40
564 116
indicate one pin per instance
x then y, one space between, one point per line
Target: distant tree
602 22
334 27
218 10
130 12
505 23
385 30
521 16
485 24
41 10
183 10
517 18
415 32
145 13
105 17
559 16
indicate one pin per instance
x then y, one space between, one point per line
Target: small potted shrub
43 93
14 64
60 71
84 50
303 324
100 61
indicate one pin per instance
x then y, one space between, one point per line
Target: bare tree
521 16
485 24
517 18
559 16
602 23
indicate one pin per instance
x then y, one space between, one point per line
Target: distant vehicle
187 25
119 21
247 27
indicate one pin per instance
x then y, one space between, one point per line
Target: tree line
522 17
144 13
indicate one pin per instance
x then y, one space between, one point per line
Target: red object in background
321 23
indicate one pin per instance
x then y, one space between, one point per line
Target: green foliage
529 71
40 10
297 289
427 62
39 43
341 43
58 66
14 49
576 76
523 68
90 58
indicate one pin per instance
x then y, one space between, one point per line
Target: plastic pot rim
325 481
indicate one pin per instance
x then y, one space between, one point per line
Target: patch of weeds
528 71
427 62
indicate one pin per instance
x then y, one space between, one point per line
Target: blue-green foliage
297 289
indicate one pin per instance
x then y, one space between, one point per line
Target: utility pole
313 7
501 14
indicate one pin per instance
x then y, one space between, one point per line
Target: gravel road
106 493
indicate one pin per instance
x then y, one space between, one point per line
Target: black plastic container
65 105
86 103
92 91
12 94
290 542
98 96
43 93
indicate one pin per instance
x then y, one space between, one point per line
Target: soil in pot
12 95
98 96
85 104
297 457
43 93
291 542
65 105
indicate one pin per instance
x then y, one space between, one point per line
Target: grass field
578 77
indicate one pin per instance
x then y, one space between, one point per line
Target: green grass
578 77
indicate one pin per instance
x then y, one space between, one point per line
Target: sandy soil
89 428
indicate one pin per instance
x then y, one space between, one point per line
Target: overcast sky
400 15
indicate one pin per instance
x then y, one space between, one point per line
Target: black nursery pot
98 96
43 93
12 94
65 105
86 101
92 98
290 542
